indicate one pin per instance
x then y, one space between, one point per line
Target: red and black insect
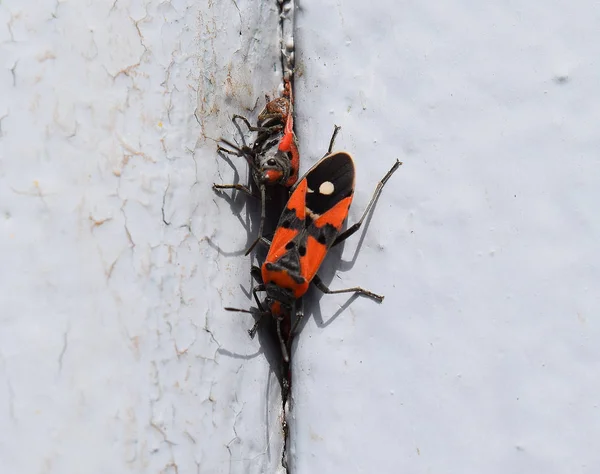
309 226
273 158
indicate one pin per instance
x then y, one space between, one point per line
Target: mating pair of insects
311 222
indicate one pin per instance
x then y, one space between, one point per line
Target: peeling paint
105 174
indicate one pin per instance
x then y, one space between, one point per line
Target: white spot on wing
326 188
308 190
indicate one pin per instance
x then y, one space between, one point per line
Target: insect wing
330 181
291 222
313 217
329 195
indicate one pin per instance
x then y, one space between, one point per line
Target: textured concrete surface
484 355
115 353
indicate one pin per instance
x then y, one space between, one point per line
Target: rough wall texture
115 354
482 357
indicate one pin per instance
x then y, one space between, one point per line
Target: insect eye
271 162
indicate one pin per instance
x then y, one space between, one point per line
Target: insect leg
299 310
239 187
235 150
356 290
348 232
244 151
284 351
253 128
264 241
336 129
243 119
256 273
299 317
255 290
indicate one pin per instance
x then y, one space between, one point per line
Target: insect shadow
238 201
269 347
332 266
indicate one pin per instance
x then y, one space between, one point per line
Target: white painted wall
117 257
115 353
484 356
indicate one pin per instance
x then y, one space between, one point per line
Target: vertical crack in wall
286 44
286 36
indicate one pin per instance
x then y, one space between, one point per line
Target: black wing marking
330 181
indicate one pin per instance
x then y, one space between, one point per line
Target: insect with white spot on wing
309 226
